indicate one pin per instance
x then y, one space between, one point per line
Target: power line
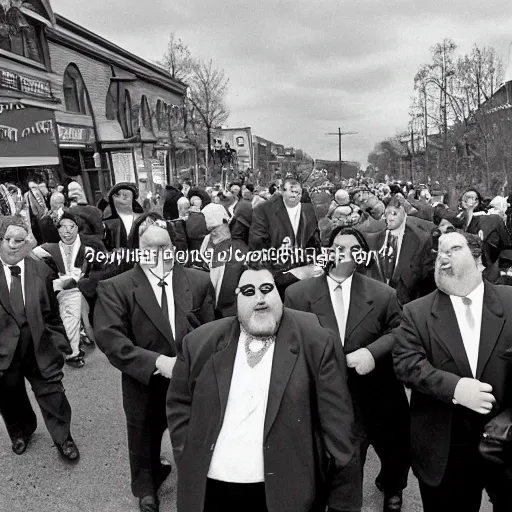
340 134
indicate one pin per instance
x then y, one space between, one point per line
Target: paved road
39 481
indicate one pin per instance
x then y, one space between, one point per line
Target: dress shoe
393 502
148 504
69 450
19 444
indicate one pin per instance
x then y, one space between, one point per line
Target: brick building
112 113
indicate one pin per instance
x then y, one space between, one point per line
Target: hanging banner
27 136
75 134
25 84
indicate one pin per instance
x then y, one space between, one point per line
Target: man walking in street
31 333
140 319
449 351
362 312
256 407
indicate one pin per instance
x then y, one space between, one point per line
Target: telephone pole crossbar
340 134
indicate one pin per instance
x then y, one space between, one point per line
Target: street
39 481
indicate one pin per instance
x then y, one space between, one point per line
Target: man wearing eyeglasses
140 319
256 408
30 333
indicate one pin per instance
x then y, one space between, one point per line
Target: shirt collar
154 278
333 284
477 293
20 264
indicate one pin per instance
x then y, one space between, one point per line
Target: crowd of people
274 375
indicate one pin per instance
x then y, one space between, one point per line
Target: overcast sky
301 68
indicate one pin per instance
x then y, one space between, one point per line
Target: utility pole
339 134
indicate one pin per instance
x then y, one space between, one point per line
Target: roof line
95 38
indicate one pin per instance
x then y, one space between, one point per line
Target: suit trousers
387 430
146 420
15 407
234 497
465 478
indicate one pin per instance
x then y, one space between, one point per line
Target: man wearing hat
124 210
31 332
68 260
140 319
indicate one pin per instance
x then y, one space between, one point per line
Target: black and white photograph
256 257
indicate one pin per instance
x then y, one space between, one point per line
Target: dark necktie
16 294
164 303
390 257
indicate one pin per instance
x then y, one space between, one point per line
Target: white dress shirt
470 337
127 220
238 453
169 292
8 276
399 233
74 247
294 215
346 288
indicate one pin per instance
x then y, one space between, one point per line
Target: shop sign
26 131
25 84
76 134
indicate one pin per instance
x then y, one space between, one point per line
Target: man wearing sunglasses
257 406
362 312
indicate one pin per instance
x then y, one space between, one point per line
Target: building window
26 42
74 90
112 103
240 142
127 124
145 114
159 115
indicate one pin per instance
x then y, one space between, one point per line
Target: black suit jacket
129 324
271 225
429 356
413 276
309 412
43 318
373 313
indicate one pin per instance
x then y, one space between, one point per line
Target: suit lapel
409 245
182 302
285 219
360 304
321 304
146 299
223 363
448 334
4 293
54 250
492 324
286 351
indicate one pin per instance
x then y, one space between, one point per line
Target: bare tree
177 60
207 93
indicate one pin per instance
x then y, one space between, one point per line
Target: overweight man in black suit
31 334
449 350
362 313
256 406
287 222
140 319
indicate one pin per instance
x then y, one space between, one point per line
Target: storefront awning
27 136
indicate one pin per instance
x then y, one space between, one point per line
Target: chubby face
292 195
14 245
470 200
259 305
